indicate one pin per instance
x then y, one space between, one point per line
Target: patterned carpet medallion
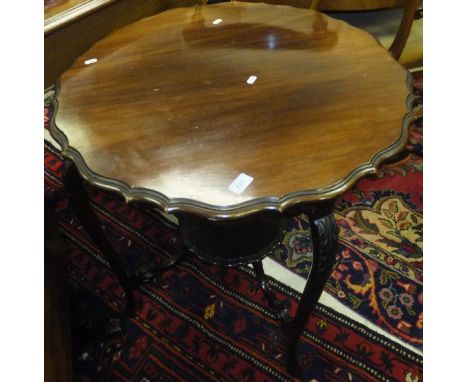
199 322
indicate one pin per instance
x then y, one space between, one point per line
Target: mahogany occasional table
232 117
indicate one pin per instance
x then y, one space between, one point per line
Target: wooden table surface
164 111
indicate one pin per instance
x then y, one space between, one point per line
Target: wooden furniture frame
244 231
411 11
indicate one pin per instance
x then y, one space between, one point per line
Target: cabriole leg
325 243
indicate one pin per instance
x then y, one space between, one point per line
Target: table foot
74 186
325 243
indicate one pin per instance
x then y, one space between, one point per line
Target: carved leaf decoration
414 219
365 224
393 206
387 223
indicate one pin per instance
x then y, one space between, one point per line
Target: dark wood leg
58 365
325 243
74 186
276 305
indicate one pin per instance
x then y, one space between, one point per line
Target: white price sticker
240 183
251 80
90 61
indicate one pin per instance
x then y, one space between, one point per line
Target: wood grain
166 108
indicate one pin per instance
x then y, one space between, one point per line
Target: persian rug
380 261
203 322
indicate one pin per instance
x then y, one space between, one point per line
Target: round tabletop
227 109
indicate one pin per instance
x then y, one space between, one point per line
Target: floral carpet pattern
379 269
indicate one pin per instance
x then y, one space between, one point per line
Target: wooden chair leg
398 44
